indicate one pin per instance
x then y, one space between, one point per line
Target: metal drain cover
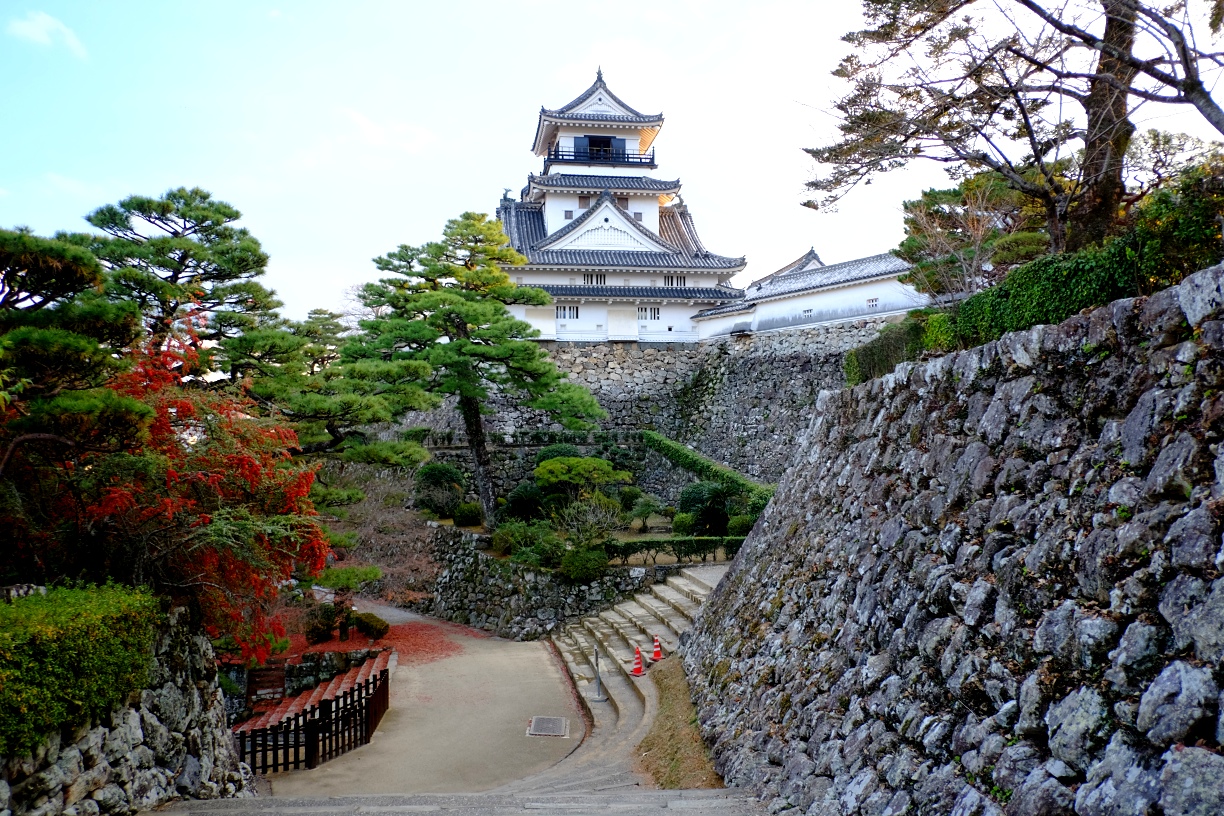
548 727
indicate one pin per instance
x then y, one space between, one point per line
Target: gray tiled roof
795 279
524 224
636 292
566 111
570 181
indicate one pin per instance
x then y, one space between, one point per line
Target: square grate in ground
548 727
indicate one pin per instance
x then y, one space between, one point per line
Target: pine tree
447 307
181 260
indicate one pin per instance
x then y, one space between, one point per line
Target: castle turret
616 249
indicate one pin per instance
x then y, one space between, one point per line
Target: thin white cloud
43 29
74 187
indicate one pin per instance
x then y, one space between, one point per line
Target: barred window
595 279
648 313
567 312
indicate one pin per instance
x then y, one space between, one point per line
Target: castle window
637 216
567 312
584 202
873 303
519 280
623 203
626 281
595 280
673 280
654 282
648 313
807 312
569 215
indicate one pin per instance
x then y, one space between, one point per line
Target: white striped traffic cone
638 671
658 651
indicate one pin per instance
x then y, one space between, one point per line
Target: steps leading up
329 690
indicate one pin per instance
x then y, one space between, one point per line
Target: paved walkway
457 724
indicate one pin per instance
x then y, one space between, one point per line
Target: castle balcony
609 156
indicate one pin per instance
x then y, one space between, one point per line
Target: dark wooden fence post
312 743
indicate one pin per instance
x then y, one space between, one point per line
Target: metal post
599 697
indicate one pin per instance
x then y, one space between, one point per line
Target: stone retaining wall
991 583
516 601
170 740
736 400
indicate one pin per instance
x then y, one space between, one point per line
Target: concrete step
679 602
628 631
663 612
705 575
649 625
625 803
695 592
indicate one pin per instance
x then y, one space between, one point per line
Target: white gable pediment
601 103
606 228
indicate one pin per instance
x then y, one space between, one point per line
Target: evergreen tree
447 307
59 345
292 370
181 260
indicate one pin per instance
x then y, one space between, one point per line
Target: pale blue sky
344 129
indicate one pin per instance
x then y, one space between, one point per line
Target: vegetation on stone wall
69 657
1174 233
758 495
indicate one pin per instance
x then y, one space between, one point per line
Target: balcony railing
600 155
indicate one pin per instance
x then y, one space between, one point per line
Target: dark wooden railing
600 155
319 733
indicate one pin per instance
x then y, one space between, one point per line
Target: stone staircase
598 777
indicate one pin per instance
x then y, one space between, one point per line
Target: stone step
625 803
681 603
696 593
649 625
628 631
613 646
664 613
706 576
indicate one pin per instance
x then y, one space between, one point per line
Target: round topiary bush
740 525
682 524
557 451
583 566
439 488
468 514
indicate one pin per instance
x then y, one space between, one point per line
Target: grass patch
673 753
347 578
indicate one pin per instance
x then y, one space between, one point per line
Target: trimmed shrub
321 621
740 525
896 343
682 457
557 451
707 503
371 625
547 552
524 502
347 579
628 496
69 657
512 536
468 514
583 566
683 523
439 488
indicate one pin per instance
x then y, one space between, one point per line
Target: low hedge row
683 548
69 657
688 459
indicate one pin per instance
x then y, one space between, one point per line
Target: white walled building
615 248
808 292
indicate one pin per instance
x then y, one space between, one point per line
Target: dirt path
456 723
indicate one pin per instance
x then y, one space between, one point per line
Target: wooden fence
319 733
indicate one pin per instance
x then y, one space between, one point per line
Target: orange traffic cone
658 651
638 671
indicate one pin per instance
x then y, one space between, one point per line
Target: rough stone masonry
991 583
169 740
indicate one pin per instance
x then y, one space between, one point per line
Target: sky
342 130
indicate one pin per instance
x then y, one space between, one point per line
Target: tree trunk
473 423
1108 132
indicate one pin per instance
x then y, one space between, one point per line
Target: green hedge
683 548
347 578
70 657
688 459
1173 233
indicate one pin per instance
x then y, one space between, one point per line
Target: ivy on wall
688 459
